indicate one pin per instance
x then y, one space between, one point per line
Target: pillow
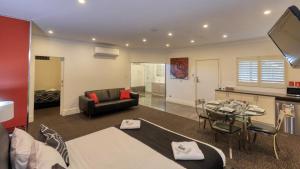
54 140
94 97
21 148
124 94
45 157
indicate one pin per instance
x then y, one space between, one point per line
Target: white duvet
113 149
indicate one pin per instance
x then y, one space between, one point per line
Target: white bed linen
113 149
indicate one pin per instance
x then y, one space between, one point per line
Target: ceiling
119 21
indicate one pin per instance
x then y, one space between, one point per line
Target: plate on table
227 109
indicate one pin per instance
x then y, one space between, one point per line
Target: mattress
147 148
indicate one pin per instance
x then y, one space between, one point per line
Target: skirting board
180 101
70 111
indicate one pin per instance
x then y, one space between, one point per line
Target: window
261 71
248 71
272 72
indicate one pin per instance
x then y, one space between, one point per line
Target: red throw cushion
94 97
124 94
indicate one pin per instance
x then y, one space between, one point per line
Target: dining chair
223 123
267 130
200 104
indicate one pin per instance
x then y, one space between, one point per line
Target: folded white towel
186 151
130 124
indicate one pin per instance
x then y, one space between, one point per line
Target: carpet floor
259 157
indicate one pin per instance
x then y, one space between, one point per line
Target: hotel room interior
143 84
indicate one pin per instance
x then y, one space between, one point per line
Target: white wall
227 54
82 70
47 74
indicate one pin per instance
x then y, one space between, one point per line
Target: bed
148 147
46 98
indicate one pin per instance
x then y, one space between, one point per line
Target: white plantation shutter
272 71
248 71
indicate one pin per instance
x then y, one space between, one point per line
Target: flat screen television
286 35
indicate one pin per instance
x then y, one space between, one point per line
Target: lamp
6 110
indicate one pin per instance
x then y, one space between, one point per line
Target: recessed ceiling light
205 26
93 39
170 34
192 41
127 44
50 31
82 1
167 45
144 40
267 12
225 36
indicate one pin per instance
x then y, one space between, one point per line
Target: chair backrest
280 120
200 103
214 116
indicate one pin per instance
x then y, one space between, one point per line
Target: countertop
278 96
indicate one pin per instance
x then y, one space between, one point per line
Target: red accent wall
14 50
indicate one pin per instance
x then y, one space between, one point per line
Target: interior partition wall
14 61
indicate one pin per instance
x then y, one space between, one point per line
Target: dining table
241 110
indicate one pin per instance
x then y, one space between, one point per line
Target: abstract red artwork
180 68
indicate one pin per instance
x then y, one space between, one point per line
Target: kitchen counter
277 96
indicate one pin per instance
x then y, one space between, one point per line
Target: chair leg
199 122
230 148
254 138
204 123
249 140
277 143
274 146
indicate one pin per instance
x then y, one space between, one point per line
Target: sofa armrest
134 95
86 105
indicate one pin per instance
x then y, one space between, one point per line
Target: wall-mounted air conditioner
106 51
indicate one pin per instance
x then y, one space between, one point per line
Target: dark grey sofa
109 101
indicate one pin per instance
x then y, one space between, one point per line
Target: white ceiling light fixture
205 26
93 39
267 12
170 34
50 31
225 36
168 45
144 40
82 1
127 45
192 41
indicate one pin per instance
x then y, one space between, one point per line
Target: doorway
208 79
48 86
149 80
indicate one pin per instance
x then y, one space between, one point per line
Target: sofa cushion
124 94
94 97
102 95
115 93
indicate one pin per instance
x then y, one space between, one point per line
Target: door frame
32 86
196 74
153 63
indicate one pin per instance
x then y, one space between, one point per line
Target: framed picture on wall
179 68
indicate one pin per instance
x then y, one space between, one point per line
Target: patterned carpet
259 157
